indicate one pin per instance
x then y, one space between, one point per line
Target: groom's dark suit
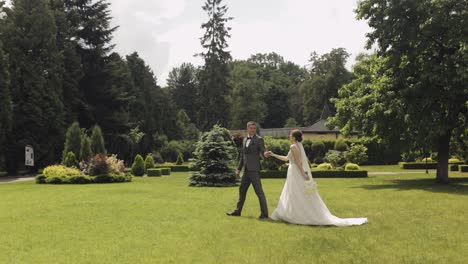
250 162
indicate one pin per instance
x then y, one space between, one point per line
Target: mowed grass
162 220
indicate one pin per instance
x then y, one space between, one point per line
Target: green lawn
154 220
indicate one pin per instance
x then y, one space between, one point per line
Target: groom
252 148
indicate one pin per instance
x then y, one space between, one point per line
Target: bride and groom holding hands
300 202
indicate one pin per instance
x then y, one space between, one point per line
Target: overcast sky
166 32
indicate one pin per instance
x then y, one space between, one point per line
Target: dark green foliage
341 145
149 162
85 151
317 151
138 166
83 179
278 146
154 172
418 165
214 154
165 171
339 174
463 168
182 82
6 107
180 159
273 174
97 141
35 63
213 106
180 168
70 160
72 140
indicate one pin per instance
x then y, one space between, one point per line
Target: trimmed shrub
55 180
340 145
453 167
80 179
3 173
318 150
417 165
273 174
318 160
339 174
103 178
138 166
351 167
70 160
154 172
180 159
180 168
463 168
40 178
165 171
429 159
324 166
455 160
149 162
60 171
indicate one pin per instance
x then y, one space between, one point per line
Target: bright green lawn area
154 220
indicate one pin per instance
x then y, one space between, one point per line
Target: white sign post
29 156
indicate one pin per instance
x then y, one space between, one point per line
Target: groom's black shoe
263 217
234 213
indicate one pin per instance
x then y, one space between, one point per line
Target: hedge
273 174
463 168
3 173
154 172
339 174
180 168
83 179
417 165
165 171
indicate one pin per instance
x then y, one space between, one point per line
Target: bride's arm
282 158
297 158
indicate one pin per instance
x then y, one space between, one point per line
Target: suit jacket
250 156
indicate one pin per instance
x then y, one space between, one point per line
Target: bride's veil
304 159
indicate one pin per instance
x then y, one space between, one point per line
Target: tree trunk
443 147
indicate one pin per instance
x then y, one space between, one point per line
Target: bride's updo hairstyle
297 134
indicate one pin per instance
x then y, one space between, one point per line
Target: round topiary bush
454 160
149 162
340 145
351 166
138 166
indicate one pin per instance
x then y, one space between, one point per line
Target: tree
97 141
72 140
5 104
423 47
246 95
67 43
35 64
290 122
214 153
85 152
327 74
182 82
213 87
187 130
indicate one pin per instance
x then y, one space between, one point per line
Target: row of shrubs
83 179
141 167
430 164
324 170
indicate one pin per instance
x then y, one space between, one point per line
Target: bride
300 202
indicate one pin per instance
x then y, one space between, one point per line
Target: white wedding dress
297 206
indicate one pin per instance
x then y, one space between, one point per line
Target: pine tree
213 87
36 85
72 140
5 104
97 141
